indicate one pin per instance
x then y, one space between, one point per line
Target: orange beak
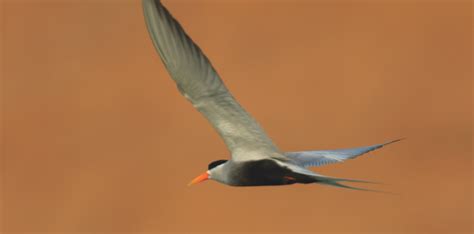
204 176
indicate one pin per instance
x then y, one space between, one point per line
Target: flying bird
255 160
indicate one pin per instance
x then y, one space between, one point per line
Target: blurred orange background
96 137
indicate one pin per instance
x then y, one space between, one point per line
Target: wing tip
392 141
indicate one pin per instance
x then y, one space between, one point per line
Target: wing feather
322 157
198 81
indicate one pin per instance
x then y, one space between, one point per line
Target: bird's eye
215 164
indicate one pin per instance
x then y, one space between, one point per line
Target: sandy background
96 138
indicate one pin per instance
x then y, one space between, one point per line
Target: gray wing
201 85
323 157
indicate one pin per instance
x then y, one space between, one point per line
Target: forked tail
336 184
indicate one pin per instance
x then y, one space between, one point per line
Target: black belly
266 172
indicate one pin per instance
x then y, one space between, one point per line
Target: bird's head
212 172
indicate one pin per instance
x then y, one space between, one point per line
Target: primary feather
318 158
199 82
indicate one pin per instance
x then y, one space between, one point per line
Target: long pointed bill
204 176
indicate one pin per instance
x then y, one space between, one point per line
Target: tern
255 160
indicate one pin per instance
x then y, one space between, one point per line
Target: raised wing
322 157
200 84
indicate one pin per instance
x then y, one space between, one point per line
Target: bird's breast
260 172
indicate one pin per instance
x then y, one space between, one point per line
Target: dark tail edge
334 183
